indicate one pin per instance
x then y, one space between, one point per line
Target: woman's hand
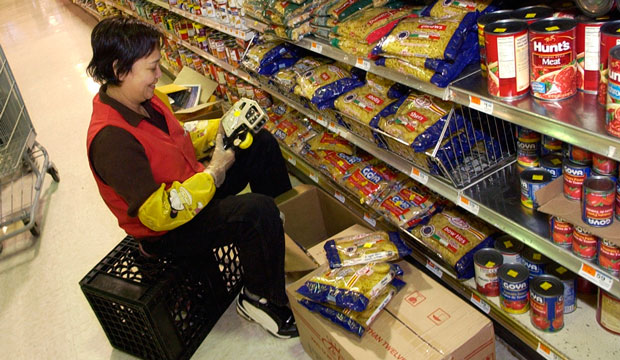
221 161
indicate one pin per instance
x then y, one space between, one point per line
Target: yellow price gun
244 118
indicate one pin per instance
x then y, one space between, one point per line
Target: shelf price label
612 151
362 64
418 176
331 126
468 205
317 48
601 280
546 352
314 177
370 220
320 119
481 105
339 196
481 304
291 160
434 268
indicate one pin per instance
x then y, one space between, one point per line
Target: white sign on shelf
370 220
434 268
362 64
612 151
314 177
317 48
481 104
468 205
481 304
331 126
546 352
418 176
598 278
292 160
339 196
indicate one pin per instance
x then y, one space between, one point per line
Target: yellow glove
167 209
202 134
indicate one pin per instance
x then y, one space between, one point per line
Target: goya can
608 312
578 155
603 165
550 145
588 53
610 37
561 232
531 181
612 107
609 257
569 280
553 59
574 177
507 61
510 249
486 263
597 204
547 303
514 295
483 21
531 14
528 147
585 245
534 261
552 163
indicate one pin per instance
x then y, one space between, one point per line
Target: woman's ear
120 77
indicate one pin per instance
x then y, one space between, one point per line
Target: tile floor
43 314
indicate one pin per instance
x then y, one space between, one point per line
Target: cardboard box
553 202
423 321
311 217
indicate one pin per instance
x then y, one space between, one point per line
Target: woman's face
139 83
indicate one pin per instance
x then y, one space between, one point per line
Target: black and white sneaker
277 320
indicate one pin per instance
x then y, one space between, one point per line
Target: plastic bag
351 287
442 8
287 78
352 47
338 165
370 25
289 130
276 65
326 82
262 54
365 248
356 321
342 9
370 183
327 141
408 206
362 103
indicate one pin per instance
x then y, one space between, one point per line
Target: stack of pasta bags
268 58
358 281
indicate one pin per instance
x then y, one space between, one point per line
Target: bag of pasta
352 47
370 182
342 9
287 78
351 287
365 248
325 83
355 321
338 165
289 131
262 54
442 8
455 236
362 104
427 37
328 141
408 205
370 25
383 86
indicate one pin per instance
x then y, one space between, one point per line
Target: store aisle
43 314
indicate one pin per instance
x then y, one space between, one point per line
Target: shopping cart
23 161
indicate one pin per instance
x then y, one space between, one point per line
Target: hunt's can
585 245
561 232
486 263
506 44
608 312
603 165
617 199
597 205
595 8
569 280
531 14
609 257
510 249
483 21
531 181
610 37
612 108
578 155
588 48
528 147
550 145
534 261
514 296
574 177
552 163
553 58
547 303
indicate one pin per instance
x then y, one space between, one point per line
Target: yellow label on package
508 244
499 30
536 256
546 286
552 28
561 270
489 264
556 161
530 15
513 273
537 177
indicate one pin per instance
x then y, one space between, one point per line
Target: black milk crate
155 308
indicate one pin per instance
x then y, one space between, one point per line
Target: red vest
171 157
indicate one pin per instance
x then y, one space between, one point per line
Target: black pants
250 221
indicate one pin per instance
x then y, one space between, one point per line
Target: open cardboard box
552 201
207 108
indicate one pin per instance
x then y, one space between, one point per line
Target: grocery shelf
170 71
579 120
120 7
225 28
89 10
163 4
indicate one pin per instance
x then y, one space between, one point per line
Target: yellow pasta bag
362 103
328 141
338 165
370 25
443 8
352 47
405 67
365 248
409 205
380 84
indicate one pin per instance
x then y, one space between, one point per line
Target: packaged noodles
365 248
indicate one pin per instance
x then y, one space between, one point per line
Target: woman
147 174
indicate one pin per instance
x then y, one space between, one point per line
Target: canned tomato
528 147
486 263
617 199
552 163
534 261
610 37
552 59
483 21
585 245
612 108
513 288
574 177
608 312
609 257
550 145
531 181
578 155
506 43
569 280
510 249
588 47
531 14
561 232
603 165
597 205
547 303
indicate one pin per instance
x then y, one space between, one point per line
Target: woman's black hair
118 42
